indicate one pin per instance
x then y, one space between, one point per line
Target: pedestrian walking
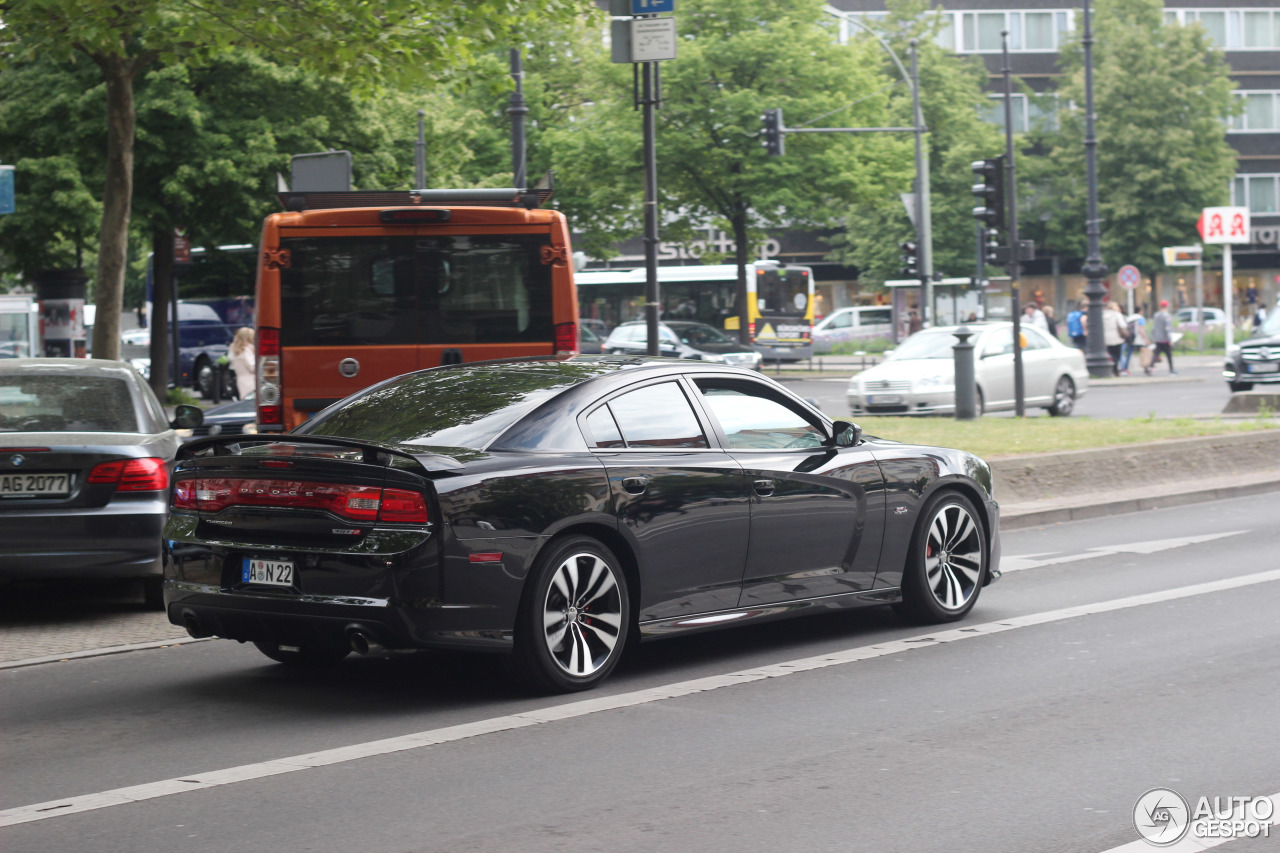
1137 342
1035 317
1115 333
1076 328
1050 321
1162 337
242 362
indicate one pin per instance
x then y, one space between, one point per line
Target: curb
1014 520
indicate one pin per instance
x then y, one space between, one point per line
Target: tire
153 593
979 405
947 562
1240 386
575 618
1064 398
203 378
304 656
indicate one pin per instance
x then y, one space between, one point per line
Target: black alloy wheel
947 561
302 655
575 618
1064 397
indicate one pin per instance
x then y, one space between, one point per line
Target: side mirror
846 434
187 417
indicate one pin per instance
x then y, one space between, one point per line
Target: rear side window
65 402
653 416
876 316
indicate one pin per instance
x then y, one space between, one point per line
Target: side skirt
659 628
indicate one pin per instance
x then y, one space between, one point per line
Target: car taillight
132 475
270 412
566 338
355 503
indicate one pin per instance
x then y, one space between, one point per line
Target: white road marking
1190 844
581 708
1020 562
106 650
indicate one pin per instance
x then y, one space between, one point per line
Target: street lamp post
1096 358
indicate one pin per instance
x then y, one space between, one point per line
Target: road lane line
1021 562
596 704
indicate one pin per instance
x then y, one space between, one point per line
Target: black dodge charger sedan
552 511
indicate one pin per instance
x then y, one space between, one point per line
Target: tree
951 97
1160 158
370 44
734 61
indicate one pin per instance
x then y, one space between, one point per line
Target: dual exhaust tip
360 642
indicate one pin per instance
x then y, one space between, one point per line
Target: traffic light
990 191
910 264
773 142
991 247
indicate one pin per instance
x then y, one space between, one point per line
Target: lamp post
1096 358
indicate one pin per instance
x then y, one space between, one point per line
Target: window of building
1261 112
1233 29
1039 113
1029 31
1259 193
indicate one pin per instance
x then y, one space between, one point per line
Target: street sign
1182 256
1129 277
1219 225
6 189
653 39
652 7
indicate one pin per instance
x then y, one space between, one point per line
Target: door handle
635 485
764 488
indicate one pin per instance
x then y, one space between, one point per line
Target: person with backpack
1076 328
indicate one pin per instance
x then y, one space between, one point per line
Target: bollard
966 388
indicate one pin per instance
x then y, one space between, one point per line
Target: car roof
83 366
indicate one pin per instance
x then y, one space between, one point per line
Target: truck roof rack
531 198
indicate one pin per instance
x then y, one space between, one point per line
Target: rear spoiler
529 198
371 453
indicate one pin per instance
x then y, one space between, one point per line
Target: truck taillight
566 339
270 412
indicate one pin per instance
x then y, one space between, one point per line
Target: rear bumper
121 540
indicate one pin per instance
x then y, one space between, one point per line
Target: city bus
357 287
779 302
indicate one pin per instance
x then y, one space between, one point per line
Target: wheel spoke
967 568
556 637
607 639
552 618
607 585
561 583
597 567
951 595
962 530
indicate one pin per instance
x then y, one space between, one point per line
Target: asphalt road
1115 656
1199 390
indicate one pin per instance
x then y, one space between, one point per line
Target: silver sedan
918 378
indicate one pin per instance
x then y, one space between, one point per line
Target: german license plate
1266 367
883 399
267 572
24 485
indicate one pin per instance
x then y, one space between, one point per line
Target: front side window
345 291
657 416
752 420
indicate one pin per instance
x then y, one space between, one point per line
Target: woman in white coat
241 356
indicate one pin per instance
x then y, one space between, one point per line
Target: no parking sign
1129 277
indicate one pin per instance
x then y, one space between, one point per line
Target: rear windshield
449 407
465 289
62 402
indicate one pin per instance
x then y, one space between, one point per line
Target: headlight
184 433
250 428
709 357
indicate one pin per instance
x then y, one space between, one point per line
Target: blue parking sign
6 189
652 7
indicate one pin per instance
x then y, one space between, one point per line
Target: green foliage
1162 96
951 97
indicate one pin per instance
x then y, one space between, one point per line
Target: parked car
589 342
850 324
1256 360
239 417
682 339
553 510
1186 318
918 378
85 454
